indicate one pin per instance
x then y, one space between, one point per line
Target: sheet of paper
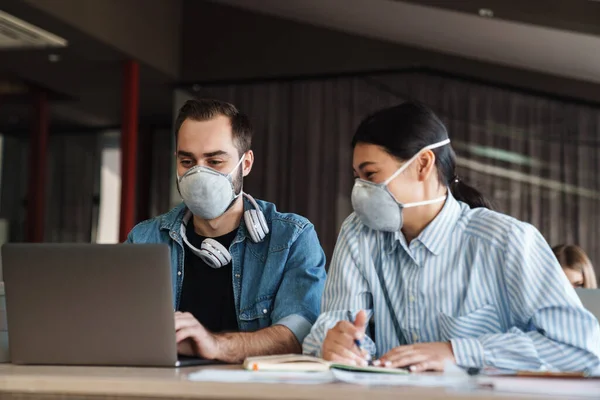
543 386
426 380
595 373
237 376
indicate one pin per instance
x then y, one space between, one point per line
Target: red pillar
129 138
36 192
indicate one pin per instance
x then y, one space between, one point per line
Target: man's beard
238 181
237 187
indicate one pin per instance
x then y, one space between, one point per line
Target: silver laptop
87 304
591 300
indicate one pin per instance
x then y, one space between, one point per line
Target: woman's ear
425 164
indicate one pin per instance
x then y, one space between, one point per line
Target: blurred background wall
517 85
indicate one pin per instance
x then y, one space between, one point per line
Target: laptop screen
591 300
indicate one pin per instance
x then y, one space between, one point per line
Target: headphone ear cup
253 226
214 254
256 224
263 223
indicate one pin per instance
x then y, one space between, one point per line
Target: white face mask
206 192
376 206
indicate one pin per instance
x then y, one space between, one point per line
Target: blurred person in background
576 265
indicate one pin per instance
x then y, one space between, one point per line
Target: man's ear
248 162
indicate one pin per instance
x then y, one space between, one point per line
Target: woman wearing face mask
444 278
576 265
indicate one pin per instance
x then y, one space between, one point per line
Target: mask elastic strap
413 158
425 203
238 164
235 196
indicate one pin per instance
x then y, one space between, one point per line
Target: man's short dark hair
207 109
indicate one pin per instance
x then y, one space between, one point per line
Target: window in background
110 190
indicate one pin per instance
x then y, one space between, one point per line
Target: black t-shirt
207 292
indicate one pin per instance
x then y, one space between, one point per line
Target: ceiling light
16 33
486 12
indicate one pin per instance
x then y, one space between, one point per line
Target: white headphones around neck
213 253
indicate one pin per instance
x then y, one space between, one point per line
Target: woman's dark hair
404 130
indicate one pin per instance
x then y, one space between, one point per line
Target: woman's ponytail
468 194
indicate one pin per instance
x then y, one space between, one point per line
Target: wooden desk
50 383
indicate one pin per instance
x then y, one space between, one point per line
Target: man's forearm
235 347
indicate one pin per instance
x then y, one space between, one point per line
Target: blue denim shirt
276 282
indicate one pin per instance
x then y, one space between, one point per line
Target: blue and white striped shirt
484 281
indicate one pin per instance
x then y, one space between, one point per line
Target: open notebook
303 363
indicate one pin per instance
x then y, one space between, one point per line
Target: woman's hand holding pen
340 343
343 345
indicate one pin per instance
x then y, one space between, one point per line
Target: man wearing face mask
247 279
